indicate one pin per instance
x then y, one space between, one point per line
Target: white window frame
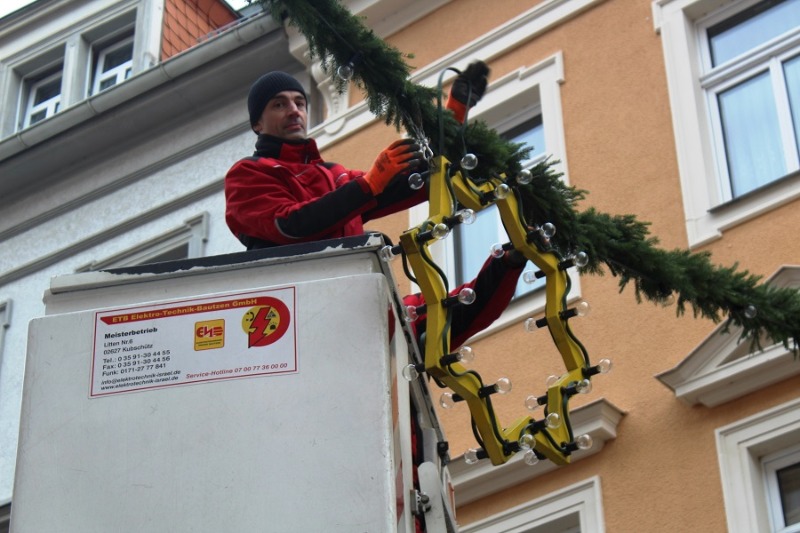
708 211
71 47
742 447
192 233
507 102
50 106
578 507
120 73
772 463
5 322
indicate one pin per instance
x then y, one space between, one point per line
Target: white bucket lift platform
257 391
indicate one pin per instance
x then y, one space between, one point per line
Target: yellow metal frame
499 443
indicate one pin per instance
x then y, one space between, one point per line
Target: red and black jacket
287 194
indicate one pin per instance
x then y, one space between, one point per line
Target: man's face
284 116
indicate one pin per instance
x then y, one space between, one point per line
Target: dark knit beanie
265 88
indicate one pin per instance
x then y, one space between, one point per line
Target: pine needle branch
620 243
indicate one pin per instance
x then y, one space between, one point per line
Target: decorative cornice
720 369
473 482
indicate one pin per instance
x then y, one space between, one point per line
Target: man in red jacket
286 193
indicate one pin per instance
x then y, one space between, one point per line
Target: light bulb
503 386
529 276
668 299
346 72
530 325
584 442
583 308
581 259
584 386
416 181
553 421
471 456
410 314
527 442
501 191
466 355
387 254
551 380
750 311
469 161
466 216
410 372
604 366
532 403
446 400
524 177
547 230
466 296
497 250
530 458
440 231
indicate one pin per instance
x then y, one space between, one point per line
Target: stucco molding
722 368
474 482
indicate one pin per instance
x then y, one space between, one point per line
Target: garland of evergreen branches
620 242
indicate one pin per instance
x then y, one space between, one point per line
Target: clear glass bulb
466 355
471 456
446 400
502 191
466 216
530 458
604 366
532 403
411 313
551 380
416 181
530 325
583 308
524 177
581 259
503 386
584 386
547 230
668 299
553 421
497 250
469 161
529 276
410 372
750 311
527 442
346 72
466 296
584 442
386 254
440 231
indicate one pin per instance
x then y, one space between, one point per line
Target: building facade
117 128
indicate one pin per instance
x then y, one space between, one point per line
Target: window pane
789 486
530 132
752 27
118 57
792 72
474 241
752 135
47 91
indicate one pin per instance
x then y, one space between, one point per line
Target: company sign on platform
190 341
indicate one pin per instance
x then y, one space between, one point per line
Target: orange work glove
400 157
468 89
